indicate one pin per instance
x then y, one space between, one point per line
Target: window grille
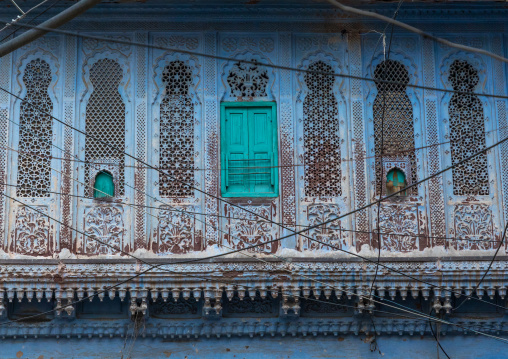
105 120
176 140
321 134
393 108
36 132
467 132
248 80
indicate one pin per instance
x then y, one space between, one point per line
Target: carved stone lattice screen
36 132
176 141
248 80
467 132
321 134
105 120
393 123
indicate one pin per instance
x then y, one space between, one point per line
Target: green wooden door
249 150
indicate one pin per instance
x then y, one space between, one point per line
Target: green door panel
249 149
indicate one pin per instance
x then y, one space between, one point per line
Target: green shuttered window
249 149
104 186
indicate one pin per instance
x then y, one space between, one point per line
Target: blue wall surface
289 347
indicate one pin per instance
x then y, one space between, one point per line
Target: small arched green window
104 187
395 181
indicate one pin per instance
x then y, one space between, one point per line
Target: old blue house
137 154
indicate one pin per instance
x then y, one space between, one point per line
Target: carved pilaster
5 82
499 76
287 148
358 140
436 195
211 139
141 142
69 113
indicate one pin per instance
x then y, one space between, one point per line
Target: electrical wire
243 254
398 306
22 16
488 268
257 63
416 30
485 149
436 337
244 218
319 224
35 17
381 157
326 285
240 207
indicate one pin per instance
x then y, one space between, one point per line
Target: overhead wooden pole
53 23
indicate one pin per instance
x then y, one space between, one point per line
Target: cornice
296 277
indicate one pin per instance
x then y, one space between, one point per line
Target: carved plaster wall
484 203
316 123
121 217
406 215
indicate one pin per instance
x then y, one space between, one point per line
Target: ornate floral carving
473 225
248 80
400 227
175 231
106 224
31 235
330 233
245 229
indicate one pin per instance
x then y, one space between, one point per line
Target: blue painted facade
303 296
